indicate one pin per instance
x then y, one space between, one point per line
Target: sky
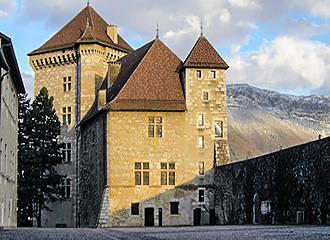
282 45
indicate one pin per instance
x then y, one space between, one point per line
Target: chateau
143 131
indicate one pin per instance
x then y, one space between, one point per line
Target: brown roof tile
149 80
73 31
203 55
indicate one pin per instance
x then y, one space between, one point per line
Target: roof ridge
90 14
152 44
67 23
192 50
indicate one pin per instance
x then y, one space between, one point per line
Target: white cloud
284 64
6 7
319 8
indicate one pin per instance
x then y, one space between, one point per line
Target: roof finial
201 27
157 32
88 3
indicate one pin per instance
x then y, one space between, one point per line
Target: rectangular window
205 96
171 178
198 73
201 197
155 127
213 74
65 188
66 116
137 178
64 84
66 152
135 209
174 208
67 84
201 142
145 178
201 168
163 178
137 167
201 120
167 174
218 129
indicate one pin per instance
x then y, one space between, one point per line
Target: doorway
197 216
160 217
149 217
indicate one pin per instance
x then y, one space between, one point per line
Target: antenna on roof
201 27
157 32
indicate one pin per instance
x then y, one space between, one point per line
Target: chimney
112 31
113 71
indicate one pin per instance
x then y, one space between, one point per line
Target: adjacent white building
11 85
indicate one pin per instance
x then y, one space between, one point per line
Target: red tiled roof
204 55
149 80
74 30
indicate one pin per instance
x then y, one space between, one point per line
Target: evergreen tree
24 201
40 153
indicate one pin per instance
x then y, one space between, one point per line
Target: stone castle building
143 130
11 85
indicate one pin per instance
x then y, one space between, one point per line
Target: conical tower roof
204 55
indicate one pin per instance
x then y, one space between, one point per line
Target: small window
174 208
206 96
171 178
145 165
137 165
137 178
201 142
218 129
198 73
201 197
155 127
201 168
171 166
163 178
163 165
145 178
201 120
135 209
213 74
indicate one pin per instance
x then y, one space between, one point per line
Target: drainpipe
77 130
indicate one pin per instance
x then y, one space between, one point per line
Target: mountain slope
262 121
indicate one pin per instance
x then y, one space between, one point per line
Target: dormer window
199 74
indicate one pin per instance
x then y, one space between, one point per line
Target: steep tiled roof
149 80
73 31
204 55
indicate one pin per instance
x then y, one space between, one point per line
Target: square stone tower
72 65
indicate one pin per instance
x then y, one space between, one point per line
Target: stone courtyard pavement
189 233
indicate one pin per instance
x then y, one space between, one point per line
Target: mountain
262 121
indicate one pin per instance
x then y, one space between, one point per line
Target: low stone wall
291 186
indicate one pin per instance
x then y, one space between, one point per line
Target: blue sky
282 45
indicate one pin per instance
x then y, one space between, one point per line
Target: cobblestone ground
189 233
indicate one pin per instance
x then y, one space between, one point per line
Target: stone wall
8 151
92 170
286 187
128 143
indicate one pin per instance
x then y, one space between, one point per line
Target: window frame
174 208
221 129
199 74
135 209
